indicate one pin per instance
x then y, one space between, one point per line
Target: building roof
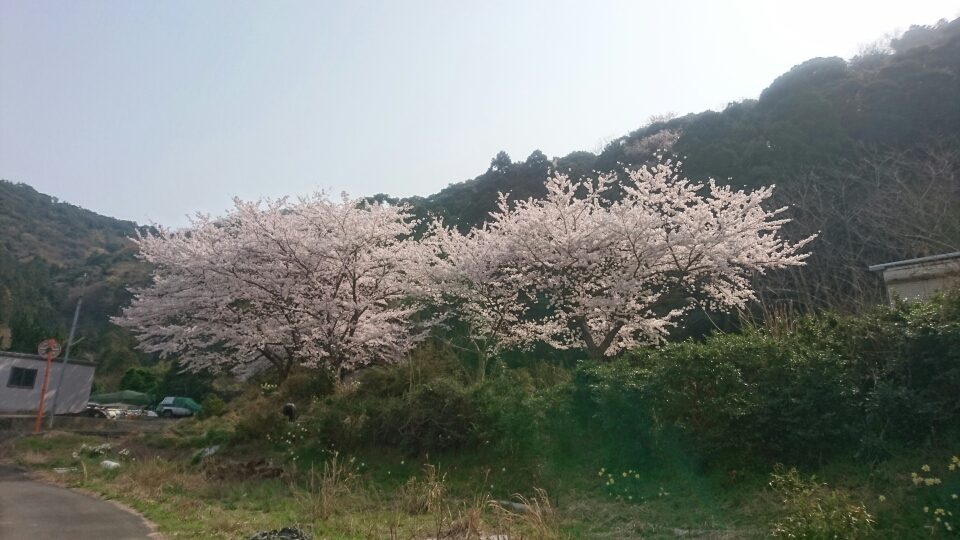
75 361
885 266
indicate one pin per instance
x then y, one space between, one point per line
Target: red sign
49 346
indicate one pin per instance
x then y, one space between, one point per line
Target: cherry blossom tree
314 283
468 279
614 273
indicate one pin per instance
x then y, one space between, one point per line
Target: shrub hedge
862 386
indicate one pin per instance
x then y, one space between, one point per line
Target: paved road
34 511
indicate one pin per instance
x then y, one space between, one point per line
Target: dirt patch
142 451
31 457
230 469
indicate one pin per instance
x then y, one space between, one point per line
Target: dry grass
535 518
334 501
150 479
426 495
329 491
31 457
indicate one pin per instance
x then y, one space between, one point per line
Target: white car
177 406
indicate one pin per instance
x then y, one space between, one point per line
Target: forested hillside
865 152
46 247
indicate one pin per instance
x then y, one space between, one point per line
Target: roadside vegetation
802 428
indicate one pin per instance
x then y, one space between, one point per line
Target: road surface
33 511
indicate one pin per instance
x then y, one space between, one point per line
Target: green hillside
46 246
818 114
864 151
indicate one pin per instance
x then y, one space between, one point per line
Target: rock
290 411
286 533
109 465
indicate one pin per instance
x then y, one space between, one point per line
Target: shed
21 381
917 279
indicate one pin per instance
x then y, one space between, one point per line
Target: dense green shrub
611 406
434 417
428 362
755 395
441 414
139 379
835 385
212 406
302 387
907 359
832 386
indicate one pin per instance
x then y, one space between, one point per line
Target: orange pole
43 393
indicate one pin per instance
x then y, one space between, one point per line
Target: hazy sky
154 110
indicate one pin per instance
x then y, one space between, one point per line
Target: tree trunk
597 351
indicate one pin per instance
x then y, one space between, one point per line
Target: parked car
177 406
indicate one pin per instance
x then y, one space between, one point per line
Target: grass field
238 491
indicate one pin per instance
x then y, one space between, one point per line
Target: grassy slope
384 495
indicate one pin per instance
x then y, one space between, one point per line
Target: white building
21 381
916 279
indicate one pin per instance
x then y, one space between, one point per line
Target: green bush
735 400
907 361
139 379
303 387
773 399
833 386
813 512
611 406
438 415
427 363
212 406
435 417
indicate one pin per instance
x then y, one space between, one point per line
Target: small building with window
21 381
917 279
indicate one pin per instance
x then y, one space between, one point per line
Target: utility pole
49 348
66 355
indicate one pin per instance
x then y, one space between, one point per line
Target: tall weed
814 512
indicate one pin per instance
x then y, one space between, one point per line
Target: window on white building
22 378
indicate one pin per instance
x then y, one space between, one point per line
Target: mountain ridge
812 120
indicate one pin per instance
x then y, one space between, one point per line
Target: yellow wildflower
882 498
925 468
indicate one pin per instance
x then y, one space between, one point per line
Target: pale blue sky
154 110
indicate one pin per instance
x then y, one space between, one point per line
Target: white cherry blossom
314 283
614 272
